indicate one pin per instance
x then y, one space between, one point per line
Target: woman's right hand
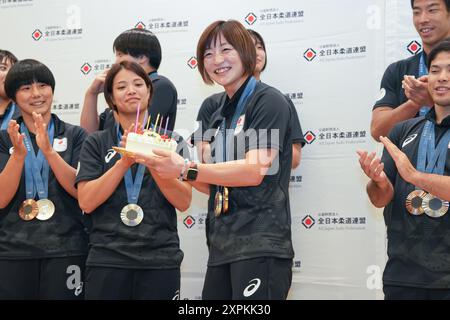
97 86
17 139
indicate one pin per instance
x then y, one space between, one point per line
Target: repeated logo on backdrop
334 52
414 47
164 25
330 221
197 220
296 97
5 4
56 33
65 107
269 16
336 136
96 67
192 62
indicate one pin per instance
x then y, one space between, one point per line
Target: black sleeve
173 110
90 166
270 115
390 87
106 119
79 136
164 102
389 165
296 128
5 145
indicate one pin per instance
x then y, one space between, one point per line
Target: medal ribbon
423 71
8 117
133 188
242 104
228 136
432 158
36 167
153 76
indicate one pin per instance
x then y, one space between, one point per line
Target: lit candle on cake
165 129
156 123
148 122
145 119
160 125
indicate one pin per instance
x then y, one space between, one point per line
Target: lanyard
228 135
432 158
36 167
153 76
133 188
423 71
8 117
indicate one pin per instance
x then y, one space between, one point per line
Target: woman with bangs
43 243
202 137
134 249
248 226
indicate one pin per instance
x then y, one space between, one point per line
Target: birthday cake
148 140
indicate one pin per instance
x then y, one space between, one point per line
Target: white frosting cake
144 143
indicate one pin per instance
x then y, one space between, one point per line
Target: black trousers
252 279
411 293
125 284
49 278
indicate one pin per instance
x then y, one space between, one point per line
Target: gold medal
434 207
28 210
132 215
225 199
218 199
414 202
46 209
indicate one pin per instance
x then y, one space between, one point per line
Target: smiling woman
248 222
41 226
134 236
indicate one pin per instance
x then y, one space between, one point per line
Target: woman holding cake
248 227
134 245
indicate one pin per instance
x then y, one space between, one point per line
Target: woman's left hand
42 138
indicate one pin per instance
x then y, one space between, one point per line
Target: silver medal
46 209
132 215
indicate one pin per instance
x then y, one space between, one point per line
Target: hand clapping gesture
17 139
42 138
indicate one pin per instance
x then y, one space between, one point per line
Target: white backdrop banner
327 56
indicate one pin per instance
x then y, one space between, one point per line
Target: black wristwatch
192 172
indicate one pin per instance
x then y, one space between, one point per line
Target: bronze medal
28 210
434 207
218 205
414 202
132 215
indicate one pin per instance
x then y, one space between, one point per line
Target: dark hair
236 35
124 65
443 46
26 72
447 4
258 38
5 54
137 42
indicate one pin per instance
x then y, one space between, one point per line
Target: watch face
192 174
